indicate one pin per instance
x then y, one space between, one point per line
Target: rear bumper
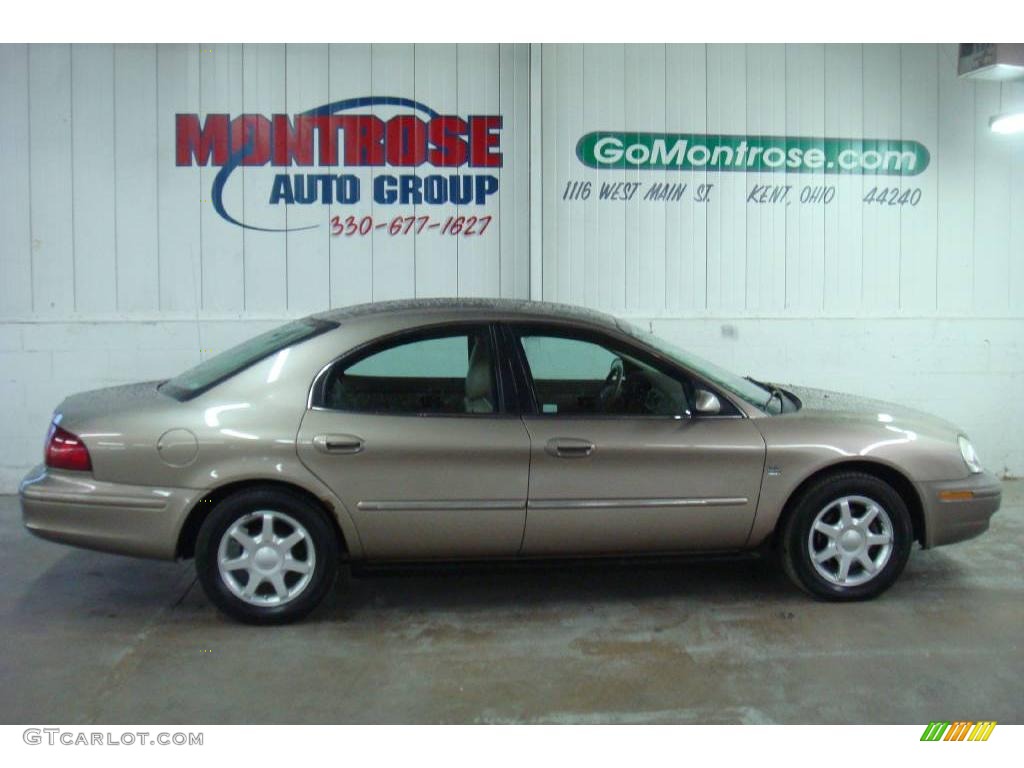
974 501
73 508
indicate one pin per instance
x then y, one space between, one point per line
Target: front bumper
73 508
974 500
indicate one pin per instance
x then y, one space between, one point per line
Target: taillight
66 451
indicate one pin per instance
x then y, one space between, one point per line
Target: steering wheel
612 389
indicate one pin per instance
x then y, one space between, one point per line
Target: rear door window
449 373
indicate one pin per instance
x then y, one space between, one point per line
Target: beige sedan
483 430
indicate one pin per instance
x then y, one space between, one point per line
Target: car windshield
223 366
744 388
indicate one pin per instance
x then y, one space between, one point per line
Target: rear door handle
569 447
338 443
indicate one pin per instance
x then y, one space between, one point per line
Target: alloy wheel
266 558
851 541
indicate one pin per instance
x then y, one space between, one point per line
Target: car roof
430 309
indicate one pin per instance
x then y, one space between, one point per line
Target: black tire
795 544
238 506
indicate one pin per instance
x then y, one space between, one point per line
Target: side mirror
707 403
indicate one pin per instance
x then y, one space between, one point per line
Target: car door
618 463
414 436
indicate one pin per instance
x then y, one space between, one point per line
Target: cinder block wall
42 362
968 371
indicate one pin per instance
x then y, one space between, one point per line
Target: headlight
970 457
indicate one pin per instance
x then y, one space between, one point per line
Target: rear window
221 367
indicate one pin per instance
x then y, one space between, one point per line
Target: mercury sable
481 430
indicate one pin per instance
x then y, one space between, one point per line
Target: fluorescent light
1012 122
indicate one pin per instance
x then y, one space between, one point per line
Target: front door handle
338 443
569 447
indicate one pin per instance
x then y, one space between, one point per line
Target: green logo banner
711 152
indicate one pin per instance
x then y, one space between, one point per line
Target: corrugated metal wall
97 219
959 251
114 266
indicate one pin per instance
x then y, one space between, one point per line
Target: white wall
923 305
98 219
959 252
114 266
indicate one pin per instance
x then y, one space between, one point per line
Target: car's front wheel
266 556
848 537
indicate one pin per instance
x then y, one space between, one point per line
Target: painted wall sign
346 134
793 154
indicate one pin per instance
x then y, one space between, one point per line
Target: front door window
581 377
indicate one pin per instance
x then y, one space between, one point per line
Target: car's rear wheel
848 537
266 556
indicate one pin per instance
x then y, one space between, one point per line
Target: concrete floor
91 638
